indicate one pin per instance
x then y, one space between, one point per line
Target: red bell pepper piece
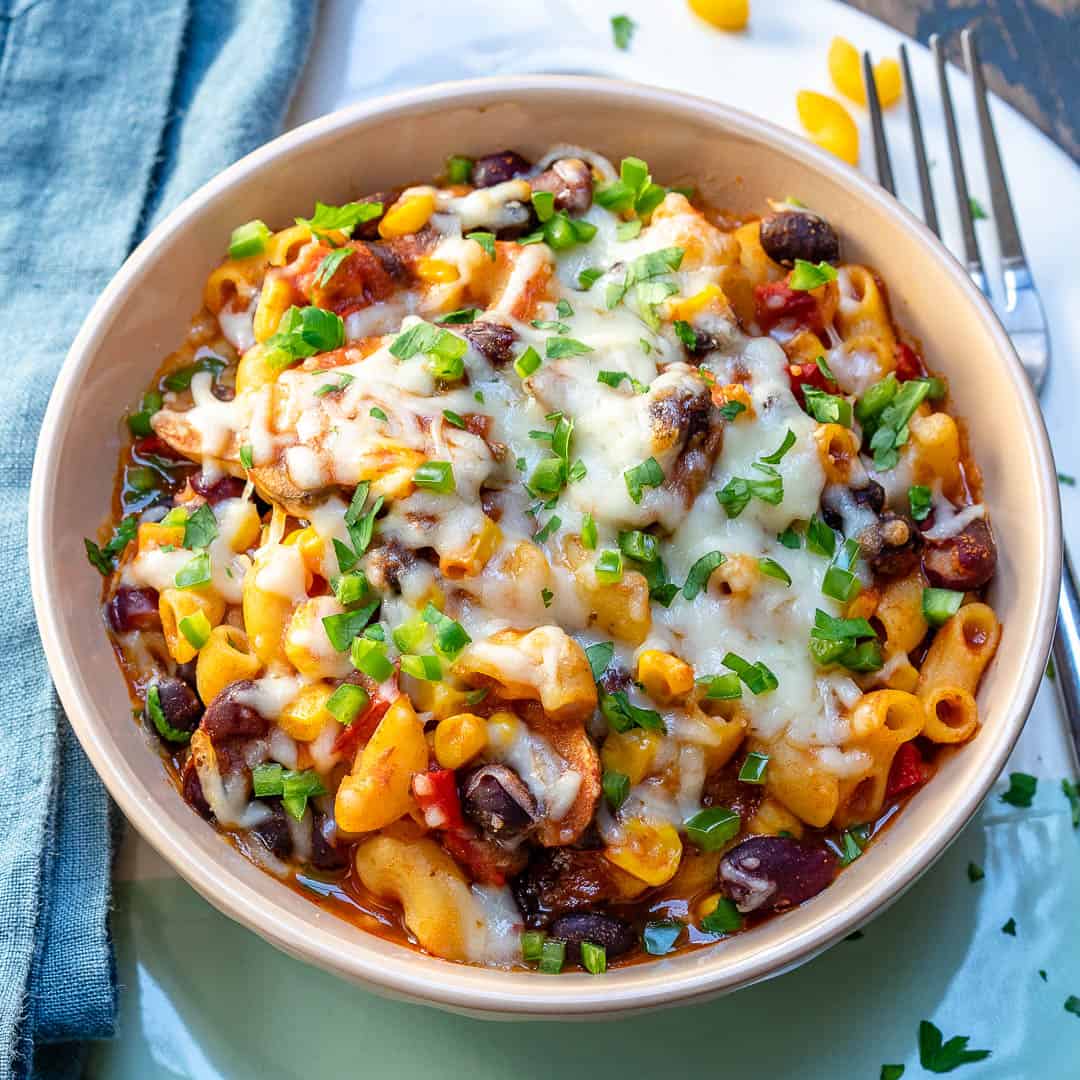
363 727
437 796
776 302
475 855
906 772
908 364
811 375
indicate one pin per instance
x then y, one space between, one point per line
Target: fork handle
1066 649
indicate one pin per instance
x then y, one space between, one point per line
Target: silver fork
1021 314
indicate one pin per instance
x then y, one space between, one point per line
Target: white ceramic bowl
736 160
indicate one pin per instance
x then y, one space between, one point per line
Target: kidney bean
558 881
228 718
133 609
274 831
795 234
179 703
770 873
498 168
615 935
963 562
498 802
493 341
215 491
325 854
570 181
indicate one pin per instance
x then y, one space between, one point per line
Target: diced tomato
908 365
362 728
810 374
776 302
437 796
358 281
477 857
906 772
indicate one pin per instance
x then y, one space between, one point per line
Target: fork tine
971 246
925 187
1012 251
881 148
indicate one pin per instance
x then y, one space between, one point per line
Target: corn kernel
845 67
630 752
723 14
829 124
707 905
458 739
649 852
437 698
153 535
305 716
274 301
407 216
666 678
436 271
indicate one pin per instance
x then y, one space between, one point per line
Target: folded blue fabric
112 112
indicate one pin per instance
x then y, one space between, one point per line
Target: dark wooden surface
1030 48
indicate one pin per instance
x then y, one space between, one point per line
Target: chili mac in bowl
554 547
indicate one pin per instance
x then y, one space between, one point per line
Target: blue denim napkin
110 112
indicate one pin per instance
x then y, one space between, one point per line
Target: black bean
496 800
179 703
498 168
770 873
325 854
217 490
795 234
274 831
191 789
615 935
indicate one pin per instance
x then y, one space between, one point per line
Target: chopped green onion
616 787
196 628
790 539
1021 790
622 715
647 474
101 558
435 476
593 958
458 169
200 528
248 239
453 418
370 657
622 31
588 532
552 956
827 408
347 702
341 218
807 276
139 422
140 478
450 635
552 523
588 277
157 717
700 573
642 546
378 413
411 634
350 588
771 568
303 332
297 788
920 501
544 204
820 539
599 657
247 458
758 678
486 240
558 347
685 333
335 388
628 230
527 362
342 628
721 687
732 409
614 378
823 367
194 573
723 919
427 668
852 843
532 942
754 768
659 937
940 605
266 779
455 318
787 443
711 829
609 567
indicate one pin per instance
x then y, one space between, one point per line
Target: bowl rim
416 976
